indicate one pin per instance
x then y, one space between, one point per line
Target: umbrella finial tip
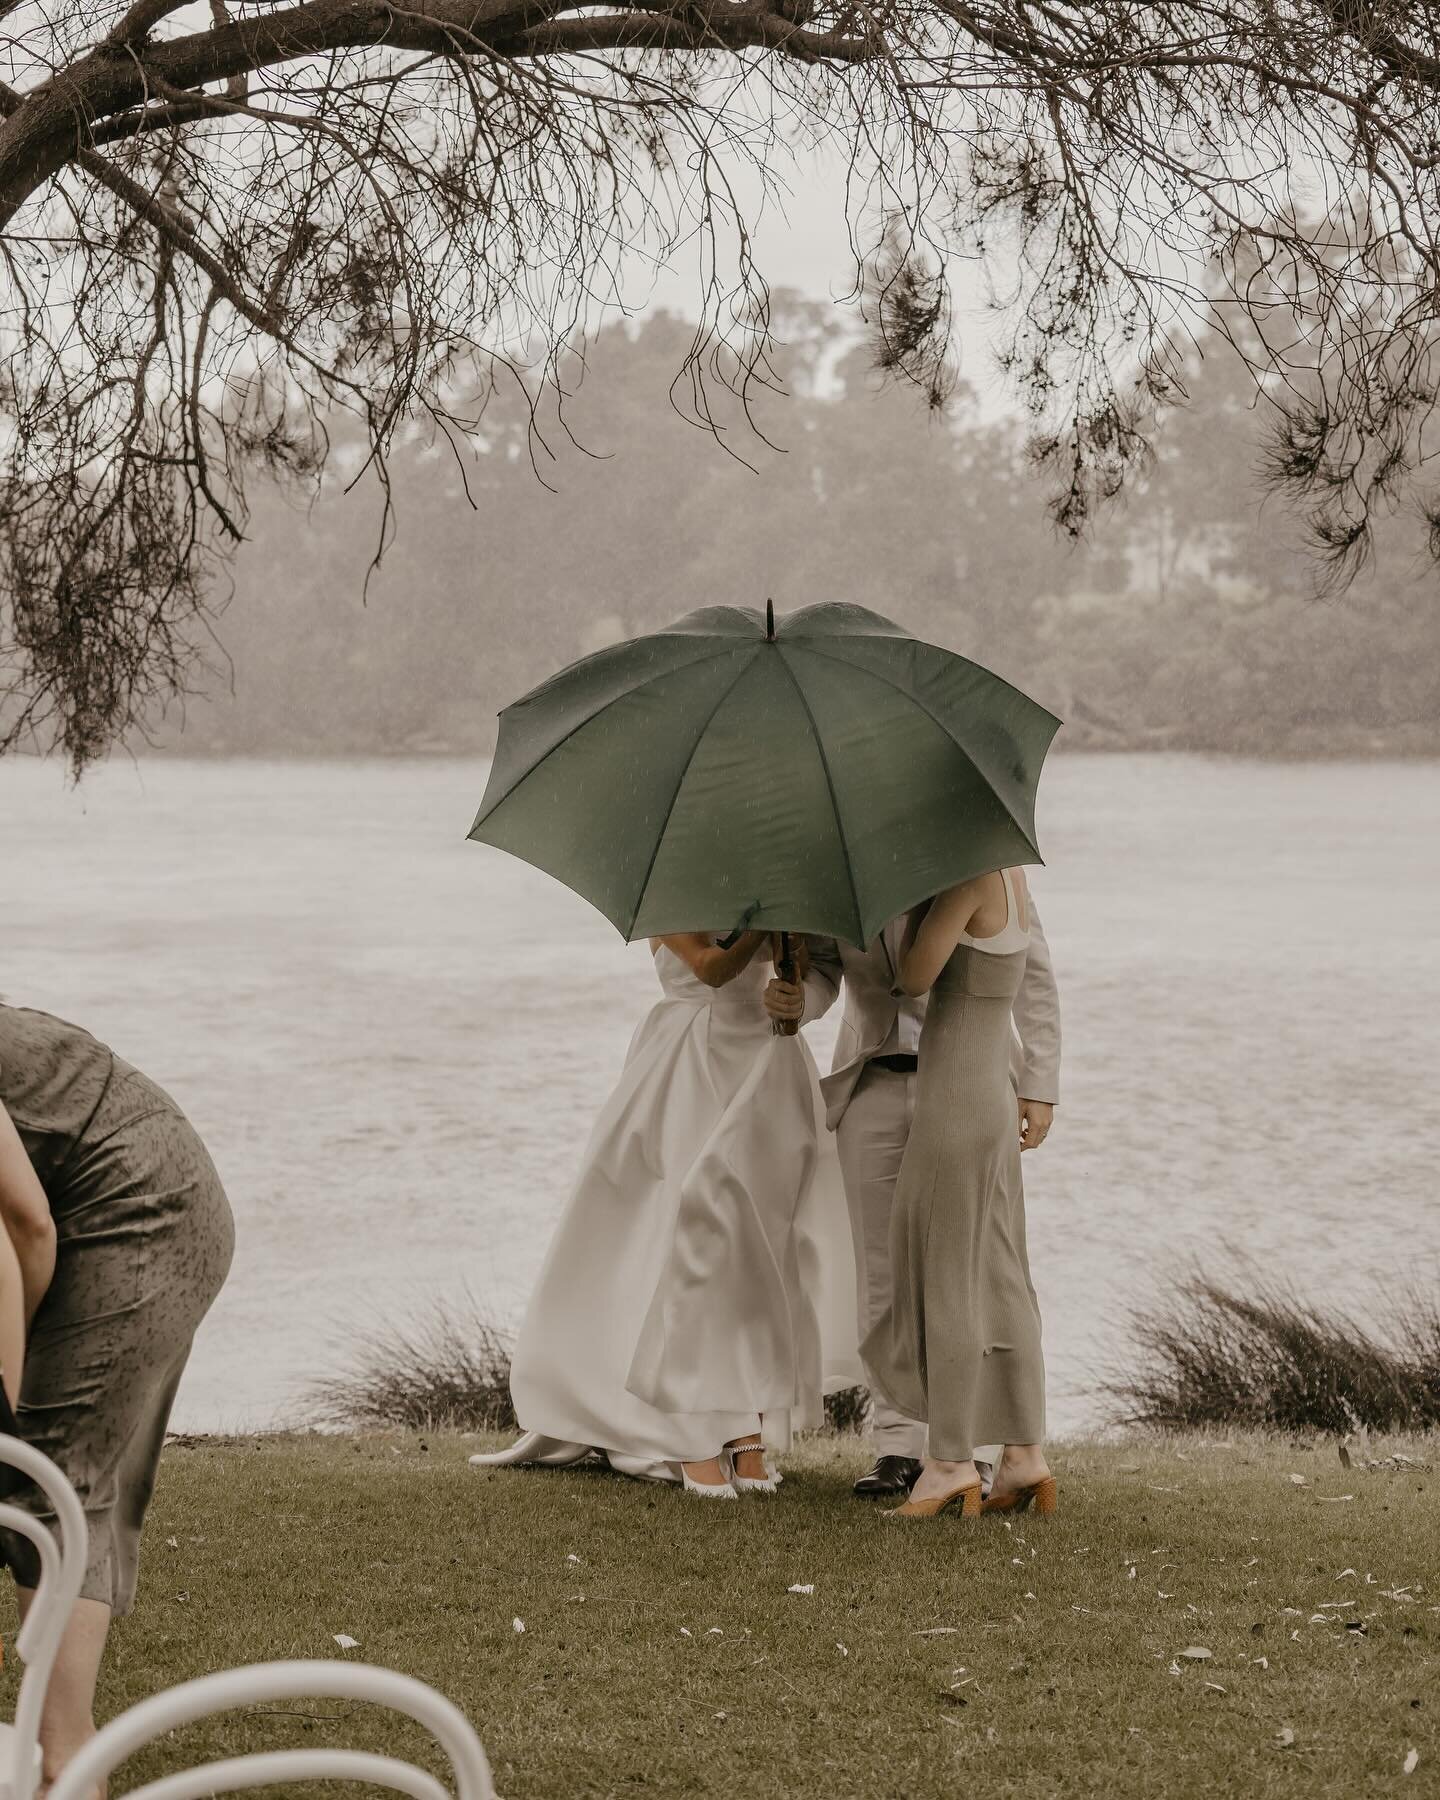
770 621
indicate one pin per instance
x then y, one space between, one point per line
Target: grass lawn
663 1653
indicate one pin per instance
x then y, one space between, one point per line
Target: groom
870 1101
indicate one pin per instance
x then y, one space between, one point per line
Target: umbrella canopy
820 773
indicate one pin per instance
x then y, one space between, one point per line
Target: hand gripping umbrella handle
787 969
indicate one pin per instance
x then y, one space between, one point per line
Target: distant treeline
1186 623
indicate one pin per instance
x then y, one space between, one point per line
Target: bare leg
939 1478
67 1722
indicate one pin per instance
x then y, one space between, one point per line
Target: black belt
901 1063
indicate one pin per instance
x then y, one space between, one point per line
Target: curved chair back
182 1705
62 1571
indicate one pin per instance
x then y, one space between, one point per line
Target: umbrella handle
788 970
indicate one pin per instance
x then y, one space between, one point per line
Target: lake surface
394 1040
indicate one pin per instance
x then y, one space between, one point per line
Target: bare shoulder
964 893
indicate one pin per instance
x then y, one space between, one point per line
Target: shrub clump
447 1371
1219 1353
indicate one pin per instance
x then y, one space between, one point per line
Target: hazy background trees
224 226
1188 620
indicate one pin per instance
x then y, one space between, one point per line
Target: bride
675 1326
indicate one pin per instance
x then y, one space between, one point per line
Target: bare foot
749 1459
940 1478
1021 1466
706 1474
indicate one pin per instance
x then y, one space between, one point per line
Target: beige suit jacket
871 1009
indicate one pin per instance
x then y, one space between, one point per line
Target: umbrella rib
915 700
830 785
589 719
694 752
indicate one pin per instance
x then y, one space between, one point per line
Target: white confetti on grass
1299 1480
1284 1738
801 1587
1411 1762
346 1642
518 1627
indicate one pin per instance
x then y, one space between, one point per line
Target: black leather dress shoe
891 1475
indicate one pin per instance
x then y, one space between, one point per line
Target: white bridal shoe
707 1490
747 1484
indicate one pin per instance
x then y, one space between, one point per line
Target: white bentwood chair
62 1570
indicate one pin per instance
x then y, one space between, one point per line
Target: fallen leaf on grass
1196 1653
1334 1499
939 1631
172 1543
1260 1662
841 1648
1284 1738
714 1631
1343 1573
517 1626
572 1557
1215 1685
1411 1762
801 1587
346 1642
1299 1480
684 1632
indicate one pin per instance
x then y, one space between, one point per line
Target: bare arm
28 1226
932 934
708 961
12 1319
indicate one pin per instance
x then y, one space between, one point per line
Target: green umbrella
818 773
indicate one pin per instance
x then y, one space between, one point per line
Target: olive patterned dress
144 1242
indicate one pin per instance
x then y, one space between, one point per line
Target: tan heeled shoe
1044 1496
966 1498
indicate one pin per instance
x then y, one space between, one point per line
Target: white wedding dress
702 1272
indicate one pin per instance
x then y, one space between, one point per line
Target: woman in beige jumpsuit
959 1345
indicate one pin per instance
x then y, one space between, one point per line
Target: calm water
394 1040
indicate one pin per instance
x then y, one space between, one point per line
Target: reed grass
1251 1351
445 1370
